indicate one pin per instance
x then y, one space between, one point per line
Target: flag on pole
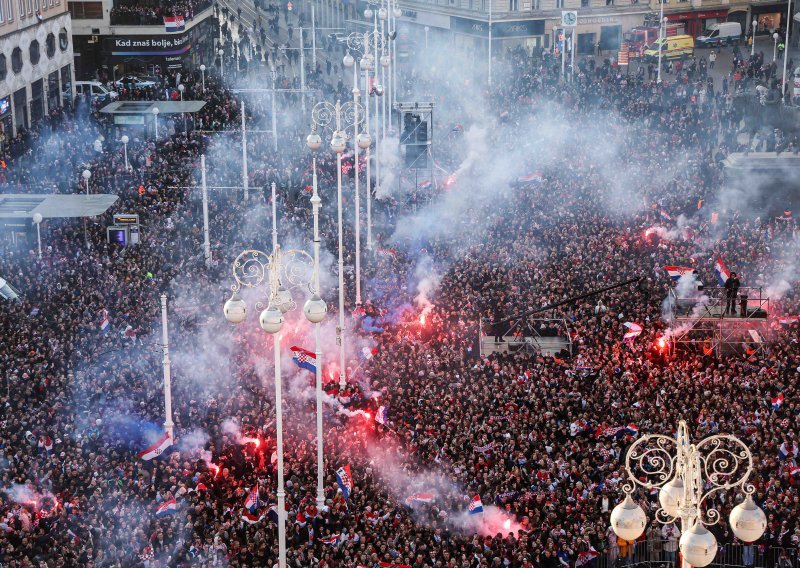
105 324
721 271
174 23
634 331
272 513
251 518
675 272
168 507
156 449
345 480
331 540
252 500
304 359
475 505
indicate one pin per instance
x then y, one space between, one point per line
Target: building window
535 4
585 3
30 6
609 2
50 45
10 7
3 67
35 5
559 3
2 14
16 60
21 9
34 52
513 5
86 10
63 39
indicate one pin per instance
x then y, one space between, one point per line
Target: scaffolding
699 322
525 335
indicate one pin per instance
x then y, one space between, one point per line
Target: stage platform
547 346
699 322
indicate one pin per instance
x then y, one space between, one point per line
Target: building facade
113 38
36 70
536 24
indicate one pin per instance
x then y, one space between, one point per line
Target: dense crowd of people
599 180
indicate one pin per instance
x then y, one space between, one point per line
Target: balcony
130 13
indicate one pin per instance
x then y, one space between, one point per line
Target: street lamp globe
670 496
364 140
314 141
156 111
748 521
283 298
348 60
315 309
86 174
628 519
368 13
382 14
271 319
221 52
379 89
235 309
775 36
385 61
202 67
368 62
397 12
338 143
125 139
698 546
181 87
37 218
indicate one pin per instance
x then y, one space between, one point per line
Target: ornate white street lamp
688 476
279 272
337 119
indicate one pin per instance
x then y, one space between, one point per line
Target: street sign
622 58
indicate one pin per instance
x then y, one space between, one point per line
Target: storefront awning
25 205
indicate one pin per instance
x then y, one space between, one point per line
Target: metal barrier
653 554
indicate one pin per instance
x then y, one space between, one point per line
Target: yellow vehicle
673 47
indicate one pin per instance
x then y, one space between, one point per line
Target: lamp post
203 76
775 37
786 49
37 220
490 44
221 53
86 176
661 25
155 120
168 424
427 29
280 272
378 40
206 234
371 39
274 75
337 119
125 141
182 88
689 475
357 43
245 179
753 43
315 310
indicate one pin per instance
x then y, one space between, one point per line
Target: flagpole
168 424
315 204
